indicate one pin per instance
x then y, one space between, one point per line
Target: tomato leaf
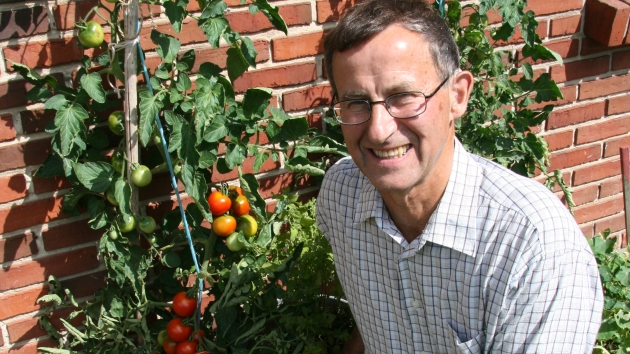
260 159
235 154
183 83
52 167
216 131
214 29
236 63
56 102
272 15
150 105
122 193
303 165
255 102
213 9
95 176
293 129
92 85
167 46
249 51
171 260
70 123
250 186
176 13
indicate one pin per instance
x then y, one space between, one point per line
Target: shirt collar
454 222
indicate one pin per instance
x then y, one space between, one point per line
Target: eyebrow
360 95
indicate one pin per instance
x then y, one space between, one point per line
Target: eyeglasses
400 105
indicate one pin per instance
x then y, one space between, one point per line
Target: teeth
393 153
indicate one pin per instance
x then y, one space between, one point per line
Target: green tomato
233 243
248 225
146 224
115 122
118 161
126 223
92 36
111 197
112 234
141 176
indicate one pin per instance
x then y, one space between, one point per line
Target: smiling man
439 250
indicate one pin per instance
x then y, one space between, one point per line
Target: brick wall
584 132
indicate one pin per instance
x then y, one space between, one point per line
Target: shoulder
343 178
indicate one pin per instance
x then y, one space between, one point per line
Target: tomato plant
146 224
141 176
219 203
118 161
115 122
92 35
233 243
177 331
240 206
169 346
126 223
224 225
183 305
186 348
248 225
161 336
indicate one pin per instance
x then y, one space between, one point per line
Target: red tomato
178 332
169 346
183 305
240 206
235 191
219 203
197 337
224 225
187 348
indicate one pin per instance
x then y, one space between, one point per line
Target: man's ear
461 86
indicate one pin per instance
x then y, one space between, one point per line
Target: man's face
396 155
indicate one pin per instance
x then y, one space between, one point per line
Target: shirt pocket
470 346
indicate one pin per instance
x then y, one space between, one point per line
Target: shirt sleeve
555 306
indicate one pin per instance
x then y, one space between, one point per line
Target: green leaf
168 46
249 51
95 176
236 63
214 29
176 13
255 102
209 70
183 83
540 52
52 167
149 106
213 9
171 260
272 15
98 139
216 131
303 165
528 72
122 193
32 76
249 184
92 85
546 89
186 61
70 123
56 102
260 159
265 235
235 154
294 129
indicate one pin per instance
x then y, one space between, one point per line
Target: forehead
394 57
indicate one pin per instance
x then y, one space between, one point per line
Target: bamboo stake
131 98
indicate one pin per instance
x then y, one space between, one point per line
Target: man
439 250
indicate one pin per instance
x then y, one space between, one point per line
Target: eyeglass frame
371 103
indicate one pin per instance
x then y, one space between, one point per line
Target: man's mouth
392 153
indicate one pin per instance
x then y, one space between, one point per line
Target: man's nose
381 124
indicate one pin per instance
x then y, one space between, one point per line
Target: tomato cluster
226 208
178 337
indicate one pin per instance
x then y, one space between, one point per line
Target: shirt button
416 305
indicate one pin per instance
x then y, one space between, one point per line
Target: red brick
307 98
545 7
66 15
160 186
46 185
30 214
559 140
575 115
598 210
328 11
190 33
12 188
617 105
219 56
585 194
587 229
517 37
574 157
602 130
621 60
611 186
569 95
31 347
298 47
158 209
69 235
603 87
611 147
565 25
24 22
49 53
615 223
7 130
595 172
37 271
566 48
21 302
13 93
245 22
16 247
273 185
606 21
277 77
28 328
580 69
248 167
591 46
85 285
24 154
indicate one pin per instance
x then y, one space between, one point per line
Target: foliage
614 270
279 294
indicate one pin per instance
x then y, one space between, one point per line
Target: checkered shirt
501 266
